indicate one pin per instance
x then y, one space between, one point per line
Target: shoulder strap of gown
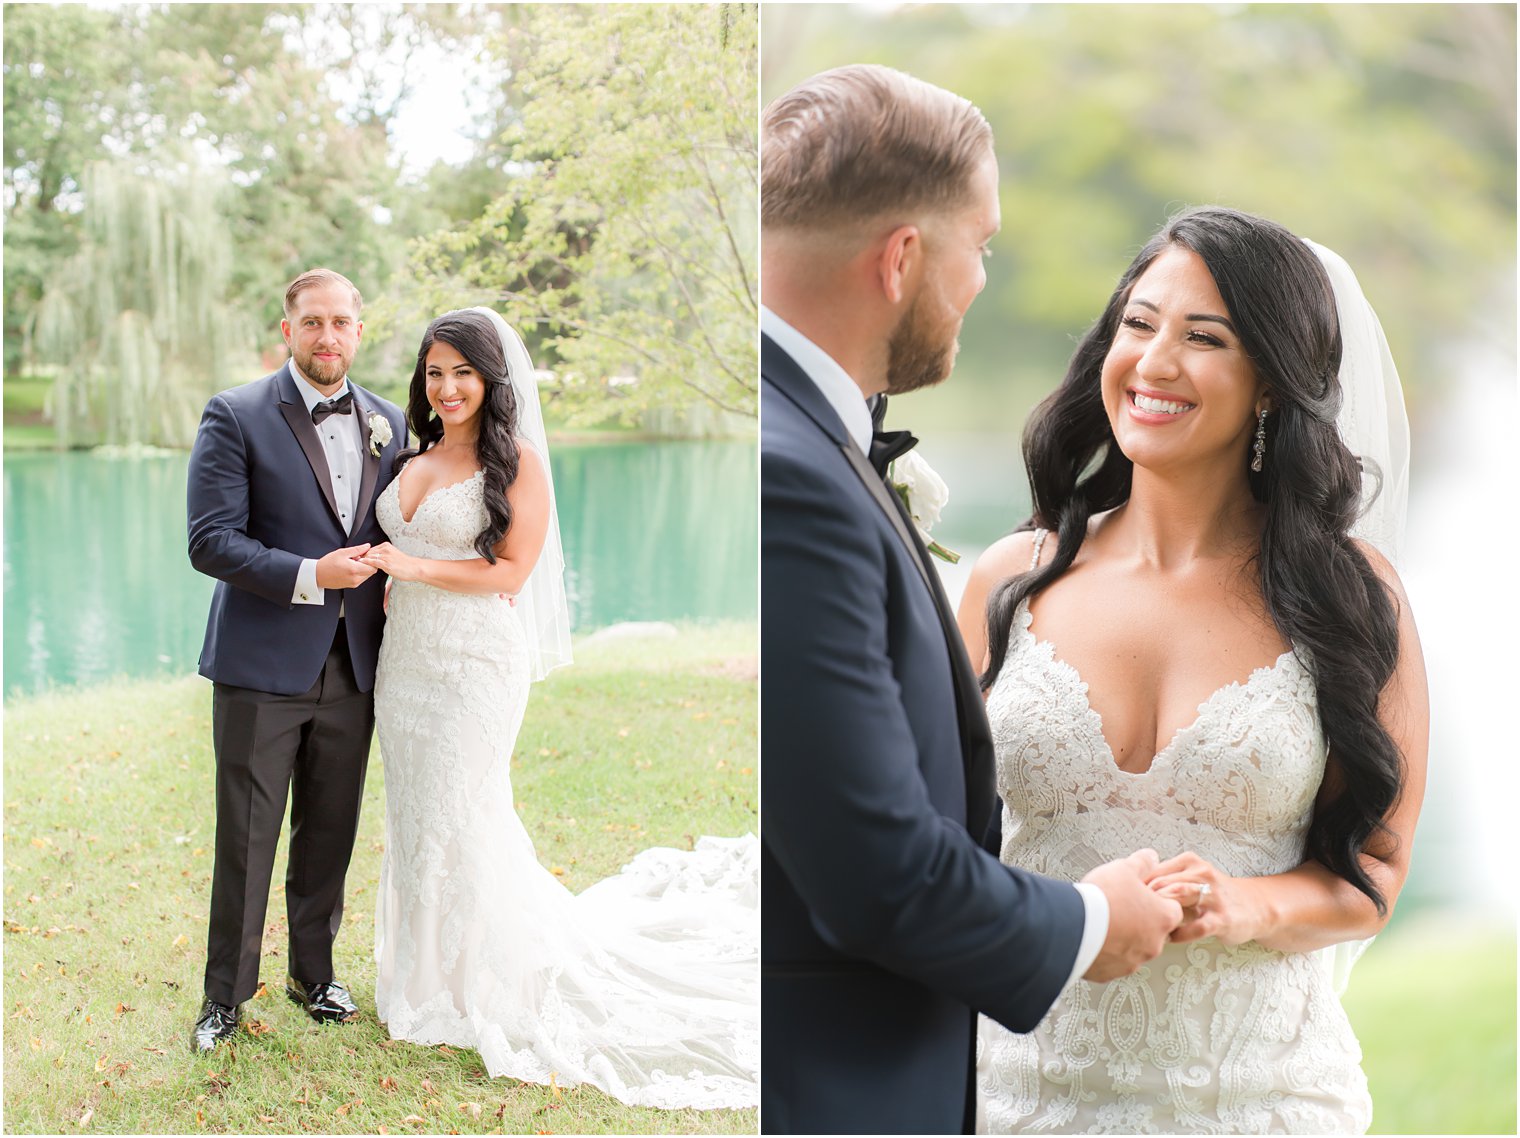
1039 544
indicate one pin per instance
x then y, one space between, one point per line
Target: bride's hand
1213 903
391 561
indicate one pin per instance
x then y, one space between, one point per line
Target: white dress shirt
342 445
848 401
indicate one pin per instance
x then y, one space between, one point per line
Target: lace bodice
444 524
1236 785
644 984
1206 1038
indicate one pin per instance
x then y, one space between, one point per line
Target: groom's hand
1139 919
340 569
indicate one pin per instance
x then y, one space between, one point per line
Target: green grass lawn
1433 1003
108 829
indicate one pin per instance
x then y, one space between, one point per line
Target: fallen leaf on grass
156 1050
258 1027
262 993
36 1041
122 1009
84 1119
266 1118
470 1108
414 1120
102 1063
554 1085
446 1049
387 1083
427 1085
180 941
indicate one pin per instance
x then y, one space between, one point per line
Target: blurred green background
1386 132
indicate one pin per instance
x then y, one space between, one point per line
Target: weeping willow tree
136 322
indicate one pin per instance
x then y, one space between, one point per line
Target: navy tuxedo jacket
260 501
887 925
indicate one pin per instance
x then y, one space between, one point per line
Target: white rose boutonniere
924 493
379 433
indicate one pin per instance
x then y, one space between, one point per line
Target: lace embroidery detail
645 984
1206 1038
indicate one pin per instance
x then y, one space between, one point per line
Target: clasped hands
1153 902
353 565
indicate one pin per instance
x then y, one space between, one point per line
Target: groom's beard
323 372
919 353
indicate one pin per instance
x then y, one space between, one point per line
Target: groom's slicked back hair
864 140
315 278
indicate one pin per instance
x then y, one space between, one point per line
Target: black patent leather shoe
216 1023
325 1003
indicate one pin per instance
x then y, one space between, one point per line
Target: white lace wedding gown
1206 1039
644 985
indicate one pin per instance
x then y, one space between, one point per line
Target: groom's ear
899 262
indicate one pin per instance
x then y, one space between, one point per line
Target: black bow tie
343 405
886 445
889 445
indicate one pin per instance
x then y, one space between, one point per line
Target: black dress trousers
316 745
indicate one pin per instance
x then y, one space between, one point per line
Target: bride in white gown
1204 658
643 985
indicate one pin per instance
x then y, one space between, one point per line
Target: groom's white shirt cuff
1094 931
842 392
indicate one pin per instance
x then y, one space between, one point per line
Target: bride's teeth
1159 406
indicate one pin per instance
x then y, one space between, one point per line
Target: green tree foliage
177 99
137 317
1384 131
623 240
609 208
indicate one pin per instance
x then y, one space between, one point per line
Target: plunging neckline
1025 621
431 493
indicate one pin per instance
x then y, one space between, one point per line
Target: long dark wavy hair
474 337
1320 590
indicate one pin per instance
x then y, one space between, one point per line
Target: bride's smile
454 389
1178 384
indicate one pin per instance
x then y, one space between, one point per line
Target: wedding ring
1204 889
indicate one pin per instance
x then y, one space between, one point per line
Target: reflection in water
97 583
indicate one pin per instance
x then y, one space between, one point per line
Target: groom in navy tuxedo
888 921
282 485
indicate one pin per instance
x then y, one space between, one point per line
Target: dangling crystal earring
1259 448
